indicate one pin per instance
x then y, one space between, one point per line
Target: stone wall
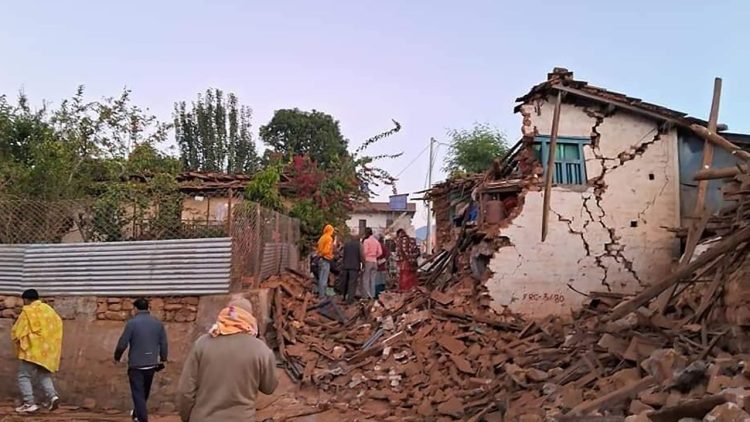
613 234
91 328
167 309
171 309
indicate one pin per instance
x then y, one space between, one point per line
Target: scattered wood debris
440 353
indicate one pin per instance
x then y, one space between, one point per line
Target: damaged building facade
622 194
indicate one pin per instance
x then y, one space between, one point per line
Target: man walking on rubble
352 266
325 252
226 369
37 337
147 340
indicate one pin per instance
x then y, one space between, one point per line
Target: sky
431 65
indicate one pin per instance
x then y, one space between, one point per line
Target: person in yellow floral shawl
37 336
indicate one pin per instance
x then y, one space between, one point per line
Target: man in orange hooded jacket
325 252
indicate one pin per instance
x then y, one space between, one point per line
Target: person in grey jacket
146 338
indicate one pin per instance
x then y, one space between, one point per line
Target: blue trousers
140 388
325 271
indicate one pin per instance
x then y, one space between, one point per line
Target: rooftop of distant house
381 207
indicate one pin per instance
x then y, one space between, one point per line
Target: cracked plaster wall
592 244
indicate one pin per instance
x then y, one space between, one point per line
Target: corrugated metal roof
11 267
163 267
275 259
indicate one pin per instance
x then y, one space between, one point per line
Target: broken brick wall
91 328
609 235
737 295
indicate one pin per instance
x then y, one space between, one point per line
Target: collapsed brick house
622 197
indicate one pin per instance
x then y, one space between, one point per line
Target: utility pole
429 208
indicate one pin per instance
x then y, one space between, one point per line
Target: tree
473 150
317 195
215 134
57 154
83 148
312 133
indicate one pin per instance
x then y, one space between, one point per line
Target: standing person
408 252
147 340
37 337
325 252
226 369
372 250
352 266
383 263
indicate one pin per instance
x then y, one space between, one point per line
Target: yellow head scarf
236 318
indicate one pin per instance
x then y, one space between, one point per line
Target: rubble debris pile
440 352
443 354
677 350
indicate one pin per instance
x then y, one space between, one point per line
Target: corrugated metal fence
162 267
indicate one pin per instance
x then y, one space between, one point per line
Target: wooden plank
694 236
614 397
278 323
720 141
711 345
726 245
708 298
694 409
708 149
552 151
720 173
699 209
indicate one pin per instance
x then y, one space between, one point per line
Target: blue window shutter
569 160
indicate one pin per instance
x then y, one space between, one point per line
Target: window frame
579 141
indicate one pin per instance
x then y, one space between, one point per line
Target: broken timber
651 292
720 141
551 151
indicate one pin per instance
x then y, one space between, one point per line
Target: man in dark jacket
352 264
147 340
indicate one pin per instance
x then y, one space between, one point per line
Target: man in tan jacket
226 368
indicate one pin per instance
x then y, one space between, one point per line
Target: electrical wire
405 168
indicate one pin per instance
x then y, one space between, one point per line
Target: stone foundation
167 309
170 309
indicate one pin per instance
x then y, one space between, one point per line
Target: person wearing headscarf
37 337
325 252
226 369
408 252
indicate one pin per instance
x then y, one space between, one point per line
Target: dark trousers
349 278
140 388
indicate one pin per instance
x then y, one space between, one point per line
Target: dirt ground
72 414
286 404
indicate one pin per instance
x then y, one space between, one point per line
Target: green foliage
147 160
109 216
312 133
472 151
64 153
214 134
320 195
264 188
109 128
312 219
89 148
